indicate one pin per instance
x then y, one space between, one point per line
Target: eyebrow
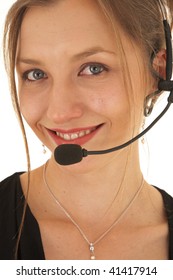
84 54
28 61
90 52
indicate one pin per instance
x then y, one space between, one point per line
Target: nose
64 104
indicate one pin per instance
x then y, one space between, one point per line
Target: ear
159 63
159 66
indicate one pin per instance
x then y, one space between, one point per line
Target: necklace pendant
92 251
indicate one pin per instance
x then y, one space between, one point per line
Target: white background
156 154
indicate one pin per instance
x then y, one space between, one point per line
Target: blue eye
93 69
96 69
34 75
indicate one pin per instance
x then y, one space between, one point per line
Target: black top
31 248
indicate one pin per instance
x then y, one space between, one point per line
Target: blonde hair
141 20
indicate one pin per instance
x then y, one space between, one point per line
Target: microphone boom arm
86 153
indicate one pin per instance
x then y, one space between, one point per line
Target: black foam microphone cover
68 154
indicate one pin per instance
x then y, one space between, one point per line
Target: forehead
68 23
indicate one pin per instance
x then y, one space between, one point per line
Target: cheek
112 101
114 108
31 106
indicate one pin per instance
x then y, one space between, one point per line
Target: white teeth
73 136
88 131
65 136
81 134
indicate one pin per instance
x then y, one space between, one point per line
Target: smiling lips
77 136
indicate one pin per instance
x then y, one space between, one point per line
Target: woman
88 74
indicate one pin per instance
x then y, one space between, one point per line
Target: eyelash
95 65
26 74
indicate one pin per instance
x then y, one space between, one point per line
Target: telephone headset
67 154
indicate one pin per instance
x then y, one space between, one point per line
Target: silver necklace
91 244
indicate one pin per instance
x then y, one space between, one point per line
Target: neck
97 191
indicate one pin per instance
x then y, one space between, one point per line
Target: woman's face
71 86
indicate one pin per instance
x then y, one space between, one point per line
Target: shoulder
168 201
9 181
9 188
11 198
168 205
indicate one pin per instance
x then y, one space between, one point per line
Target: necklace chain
91 244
